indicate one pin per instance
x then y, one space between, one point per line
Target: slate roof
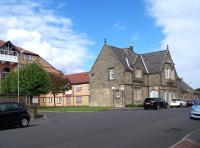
185 87
78 78
154 61
122 55
19 49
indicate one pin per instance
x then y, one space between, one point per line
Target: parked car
192 102
13 113
177 103
195 110
155 103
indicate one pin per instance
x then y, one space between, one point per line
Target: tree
59 84
9 84
34 80
198 89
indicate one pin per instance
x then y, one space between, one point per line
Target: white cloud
119 26
179 20
39 29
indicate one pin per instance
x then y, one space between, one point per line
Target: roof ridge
77 73
113 46
153 52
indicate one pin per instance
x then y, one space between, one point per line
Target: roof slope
123 56
78 78
185 87
154 60
19 49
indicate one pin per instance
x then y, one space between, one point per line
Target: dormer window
111 74
169 73
138 73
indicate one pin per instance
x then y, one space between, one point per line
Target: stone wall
100 85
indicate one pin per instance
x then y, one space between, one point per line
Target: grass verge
72 109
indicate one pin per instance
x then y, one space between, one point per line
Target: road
109 129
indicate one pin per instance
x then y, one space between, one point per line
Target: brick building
12 56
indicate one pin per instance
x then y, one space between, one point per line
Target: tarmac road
109 129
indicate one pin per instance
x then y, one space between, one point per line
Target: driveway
108 129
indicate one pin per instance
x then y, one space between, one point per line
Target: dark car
12 113
155 103
192 102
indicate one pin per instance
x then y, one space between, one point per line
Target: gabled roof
154 60
125 58
19 49
78 78
185 87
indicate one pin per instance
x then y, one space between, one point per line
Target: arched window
5 72
154 94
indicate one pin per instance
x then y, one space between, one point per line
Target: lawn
72 109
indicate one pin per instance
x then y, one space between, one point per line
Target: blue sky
69 34
122 23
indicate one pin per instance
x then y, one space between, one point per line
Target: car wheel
181 105
145 108
24 122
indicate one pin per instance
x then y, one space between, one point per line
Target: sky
69 34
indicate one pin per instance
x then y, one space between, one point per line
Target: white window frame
170 73
78 87
35 100
50 100
79 100
111 74
138 73
44 100
59 100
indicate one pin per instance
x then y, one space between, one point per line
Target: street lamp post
113 95
18 59
122 89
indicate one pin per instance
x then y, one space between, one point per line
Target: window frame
138 73
79 100
78 87
111 74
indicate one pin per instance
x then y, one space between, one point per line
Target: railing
8 56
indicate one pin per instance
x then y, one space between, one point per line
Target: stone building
120 76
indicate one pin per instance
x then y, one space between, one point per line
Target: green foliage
58 83
73 109
34 80
198 89
9 84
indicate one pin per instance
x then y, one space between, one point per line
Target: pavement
191 140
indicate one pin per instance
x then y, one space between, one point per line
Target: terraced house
120 76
